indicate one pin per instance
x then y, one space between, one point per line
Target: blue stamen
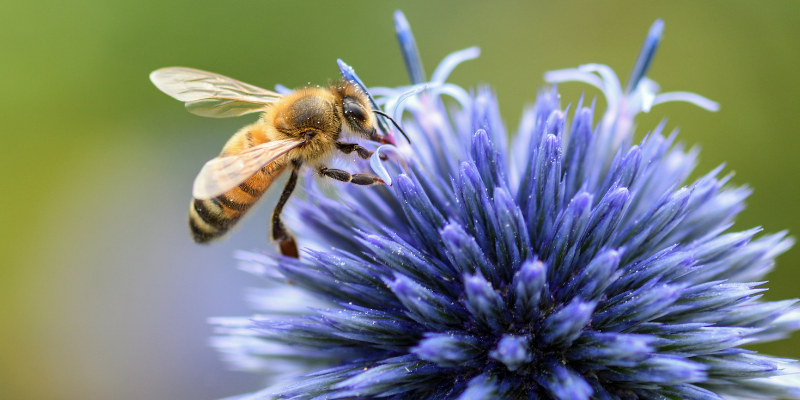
646 55
408 46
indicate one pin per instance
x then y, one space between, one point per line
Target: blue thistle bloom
567 263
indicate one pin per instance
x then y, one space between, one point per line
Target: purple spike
563 383
611 349
563 249
425 306
529 287
513 351
485 303
590 283
563 326
481 387
465 254
511 232
450 350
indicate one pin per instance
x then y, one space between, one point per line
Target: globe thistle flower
565 263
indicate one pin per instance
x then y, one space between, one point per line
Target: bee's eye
353 110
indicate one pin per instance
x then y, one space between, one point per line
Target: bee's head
358 116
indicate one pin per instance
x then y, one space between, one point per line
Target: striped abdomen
212 218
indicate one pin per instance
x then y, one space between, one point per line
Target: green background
102 293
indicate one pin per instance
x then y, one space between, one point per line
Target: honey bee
299 130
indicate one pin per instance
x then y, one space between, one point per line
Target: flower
567 263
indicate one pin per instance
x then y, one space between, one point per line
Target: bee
303 129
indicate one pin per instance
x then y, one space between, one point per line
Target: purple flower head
565 263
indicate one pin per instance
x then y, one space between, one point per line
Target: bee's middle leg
356 179
280 234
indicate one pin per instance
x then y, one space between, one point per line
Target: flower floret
566 263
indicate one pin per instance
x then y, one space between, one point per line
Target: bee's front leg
348 148
356 179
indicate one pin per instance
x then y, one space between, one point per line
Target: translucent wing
212 95
222 174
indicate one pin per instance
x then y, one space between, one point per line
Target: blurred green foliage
103 295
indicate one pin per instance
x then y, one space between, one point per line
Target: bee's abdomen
208 220
212 218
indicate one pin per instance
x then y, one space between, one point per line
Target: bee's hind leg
280 233
356 179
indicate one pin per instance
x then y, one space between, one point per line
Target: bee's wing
222 174
212 95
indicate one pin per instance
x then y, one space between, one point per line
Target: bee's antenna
394 122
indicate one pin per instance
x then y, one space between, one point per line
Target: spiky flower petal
567 264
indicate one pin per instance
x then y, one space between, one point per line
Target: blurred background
102 293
